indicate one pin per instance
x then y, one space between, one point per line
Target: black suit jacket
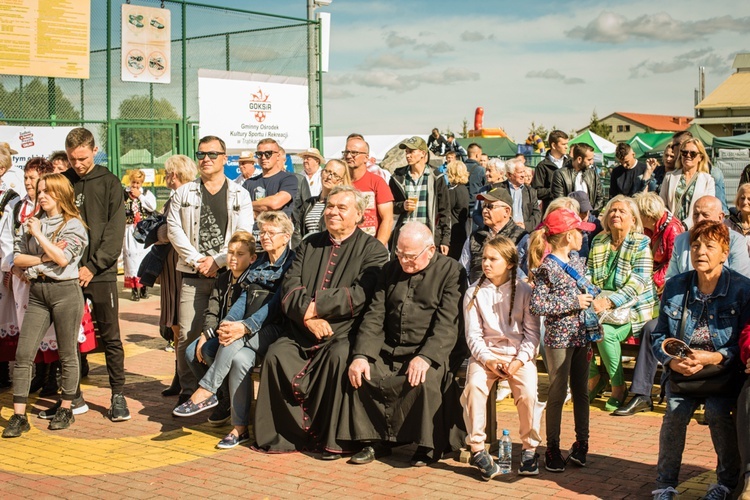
563 183
532 216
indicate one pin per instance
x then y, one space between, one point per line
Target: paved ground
154 455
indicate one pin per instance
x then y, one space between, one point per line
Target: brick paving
156 456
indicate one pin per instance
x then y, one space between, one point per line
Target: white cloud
435 48
472 36
336 93
393 39
394 61
698 57
547 74
610 27
396 82
553 74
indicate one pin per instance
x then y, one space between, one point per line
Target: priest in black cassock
400 365
324 295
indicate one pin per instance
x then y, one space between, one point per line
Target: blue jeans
235 361
723 435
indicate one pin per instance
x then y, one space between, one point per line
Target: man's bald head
415 233
707 208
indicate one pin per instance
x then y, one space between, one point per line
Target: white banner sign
146 45
244 108
33 141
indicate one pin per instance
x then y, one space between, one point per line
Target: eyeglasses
410 258
346 152
265 154
270 234
689 154
332 175
491 206
211 154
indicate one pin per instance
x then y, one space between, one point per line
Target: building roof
741 61
733 93
664 123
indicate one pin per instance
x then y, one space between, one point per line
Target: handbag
619 316
145 229
724 380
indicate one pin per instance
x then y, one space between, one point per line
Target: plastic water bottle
505 455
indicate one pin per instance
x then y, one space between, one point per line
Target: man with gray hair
526 213
324 295
401 353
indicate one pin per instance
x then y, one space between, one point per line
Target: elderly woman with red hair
705 308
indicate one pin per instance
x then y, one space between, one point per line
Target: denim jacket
260 301
728 310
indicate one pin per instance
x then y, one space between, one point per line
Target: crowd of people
361 293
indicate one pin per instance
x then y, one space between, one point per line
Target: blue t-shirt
260 187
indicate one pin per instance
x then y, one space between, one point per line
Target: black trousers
646 364
103 296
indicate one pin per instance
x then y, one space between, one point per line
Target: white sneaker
568 397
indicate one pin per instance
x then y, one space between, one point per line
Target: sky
397 70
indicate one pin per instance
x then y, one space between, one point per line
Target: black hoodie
99 198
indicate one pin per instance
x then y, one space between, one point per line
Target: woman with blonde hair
621 264
49 249
458 196
139 204
178 170
689 181
308 217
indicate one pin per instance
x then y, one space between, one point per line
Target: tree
539 130
34 101
465 129
142 108
599 128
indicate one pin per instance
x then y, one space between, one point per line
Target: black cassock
301 385
410 315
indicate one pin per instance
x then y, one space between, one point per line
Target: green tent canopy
600 144
734 142
492 146
706 137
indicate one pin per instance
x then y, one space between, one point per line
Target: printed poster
244 108
146 45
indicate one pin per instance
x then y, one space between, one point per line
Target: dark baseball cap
497 194
583 200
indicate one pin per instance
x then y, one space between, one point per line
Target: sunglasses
689 154
211 154
265 154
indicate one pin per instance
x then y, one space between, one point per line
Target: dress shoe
636 405
330 456
422 457
370 453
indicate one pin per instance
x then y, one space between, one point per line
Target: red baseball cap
561 220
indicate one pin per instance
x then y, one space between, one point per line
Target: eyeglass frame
409 258
346 152
259 155
212 155
327 173
689 154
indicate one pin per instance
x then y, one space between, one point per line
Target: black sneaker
134 295
553 460
144 292
578 453
220 415
529 464
482 460
78 406
17 425
62 419
119 412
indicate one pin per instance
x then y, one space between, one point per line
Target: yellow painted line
103 456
